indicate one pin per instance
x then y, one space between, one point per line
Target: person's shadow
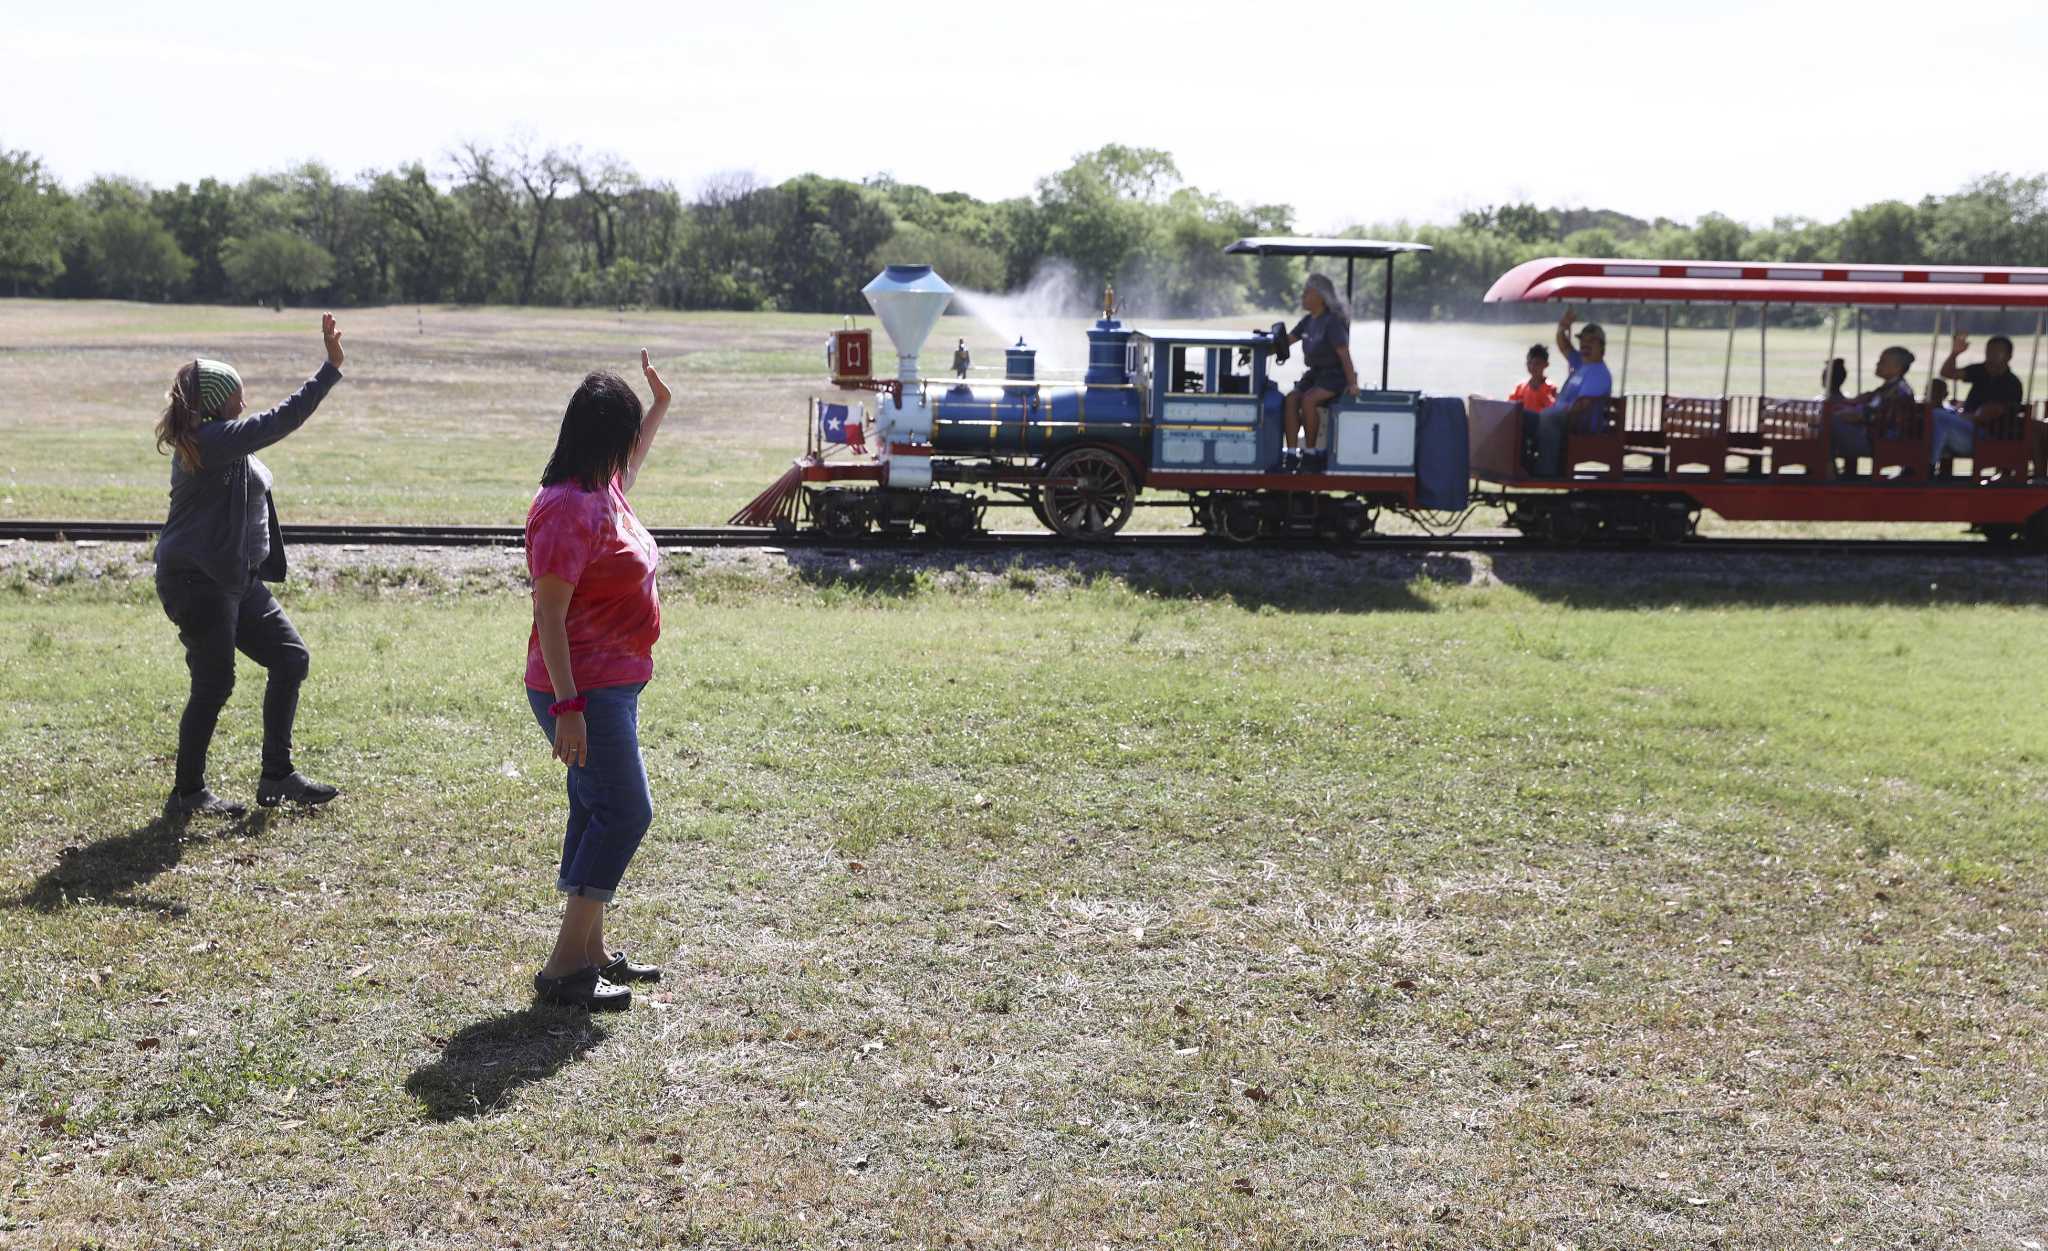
109 870
479 1067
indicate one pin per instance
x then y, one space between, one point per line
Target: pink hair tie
577 704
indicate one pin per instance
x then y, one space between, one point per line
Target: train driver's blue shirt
1585 380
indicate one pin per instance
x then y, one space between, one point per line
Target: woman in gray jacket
218 548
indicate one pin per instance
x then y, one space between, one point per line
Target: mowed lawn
1056 910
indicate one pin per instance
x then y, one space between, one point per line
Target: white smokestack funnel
909 300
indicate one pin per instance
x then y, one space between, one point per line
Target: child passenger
1954 433
1535 393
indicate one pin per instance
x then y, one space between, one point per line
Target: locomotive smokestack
909 300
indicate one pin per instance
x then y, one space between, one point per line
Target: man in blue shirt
1581 401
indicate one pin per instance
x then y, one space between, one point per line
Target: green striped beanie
217 382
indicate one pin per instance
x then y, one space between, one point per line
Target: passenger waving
1580 401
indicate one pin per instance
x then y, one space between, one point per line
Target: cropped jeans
609 805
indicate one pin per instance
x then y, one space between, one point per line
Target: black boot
202 802
295 788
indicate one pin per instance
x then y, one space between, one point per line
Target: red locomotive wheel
1090 494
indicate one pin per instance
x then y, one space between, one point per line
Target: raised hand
331 333
1959 345
654 382
1571 315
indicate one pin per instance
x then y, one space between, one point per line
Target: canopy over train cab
1353 251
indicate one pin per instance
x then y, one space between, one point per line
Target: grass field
1317 905
448 414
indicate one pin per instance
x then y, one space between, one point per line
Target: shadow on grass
1295 579
109 870
1679 579
487 1061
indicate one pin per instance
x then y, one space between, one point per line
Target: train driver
1325 336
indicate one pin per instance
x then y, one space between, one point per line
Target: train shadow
484 1063
111 869
1303 580
1650 580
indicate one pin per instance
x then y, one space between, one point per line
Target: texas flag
839 425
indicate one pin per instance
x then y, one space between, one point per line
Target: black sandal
585 988
620 970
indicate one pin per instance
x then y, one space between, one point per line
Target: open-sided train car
1645 465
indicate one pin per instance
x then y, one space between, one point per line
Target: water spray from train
1046 313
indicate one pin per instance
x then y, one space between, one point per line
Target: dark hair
177 430
1937 391
599 430
1836 373
1997 339
1902 355
1540 351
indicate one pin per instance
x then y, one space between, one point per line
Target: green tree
1095 212
273 265
32 219
131 254
1885 233
201 218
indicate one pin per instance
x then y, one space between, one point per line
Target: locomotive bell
909 300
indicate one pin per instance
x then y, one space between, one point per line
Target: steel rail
381 535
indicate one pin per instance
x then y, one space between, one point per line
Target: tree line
526 224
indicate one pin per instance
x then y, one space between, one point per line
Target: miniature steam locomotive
1192 418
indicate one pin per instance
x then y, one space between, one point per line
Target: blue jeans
1954 435
609 806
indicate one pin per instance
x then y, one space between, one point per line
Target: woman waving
595 619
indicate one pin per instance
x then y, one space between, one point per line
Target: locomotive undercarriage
1082 494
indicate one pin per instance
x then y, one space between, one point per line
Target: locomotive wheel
1237 520
2037 532
1096 498
842 517
1344 521
954 522
1567 526
1670 525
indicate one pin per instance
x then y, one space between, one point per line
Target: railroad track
372 535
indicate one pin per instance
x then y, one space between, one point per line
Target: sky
1353 112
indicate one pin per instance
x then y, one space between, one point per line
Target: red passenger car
1645 465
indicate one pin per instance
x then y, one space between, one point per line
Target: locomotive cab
1211 404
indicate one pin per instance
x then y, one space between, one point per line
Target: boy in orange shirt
1536 394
